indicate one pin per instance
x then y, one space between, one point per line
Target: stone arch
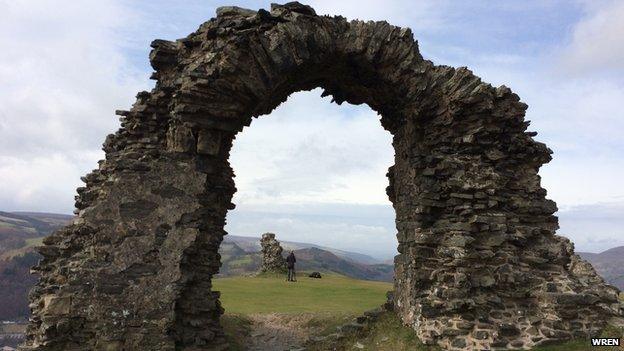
479 264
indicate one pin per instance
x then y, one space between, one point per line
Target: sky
313 171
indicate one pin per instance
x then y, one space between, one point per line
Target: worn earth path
279 332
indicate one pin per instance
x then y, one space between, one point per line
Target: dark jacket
291 260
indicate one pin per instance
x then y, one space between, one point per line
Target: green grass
332 294
30 242
387 334
333 300
6 225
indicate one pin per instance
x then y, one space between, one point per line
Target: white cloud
44 184
578 117
422 14
309 150
597 43
63 76
594 227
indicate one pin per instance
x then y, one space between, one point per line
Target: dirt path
278 332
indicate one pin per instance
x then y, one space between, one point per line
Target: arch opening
310 156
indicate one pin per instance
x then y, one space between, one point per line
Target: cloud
580 119
63 76
309 150
594 227
423 14
44 184
597 43
578 116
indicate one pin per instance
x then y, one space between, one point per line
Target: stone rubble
479 264
357 327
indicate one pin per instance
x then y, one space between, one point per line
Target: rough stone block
208 142
180 139
54 305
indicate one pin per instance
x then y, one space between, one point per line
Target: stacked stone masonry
272 259
479 264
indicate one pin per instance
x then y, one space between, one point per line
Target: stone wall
272 259
479 263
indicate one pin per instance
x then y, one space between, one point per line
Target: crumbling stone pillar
479 264
272 259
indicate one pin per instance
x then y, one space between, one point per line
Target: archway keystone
479 264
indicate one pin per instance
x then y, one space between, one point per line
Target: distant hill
21 231
236 261
252 244
15 283
609 264
315 259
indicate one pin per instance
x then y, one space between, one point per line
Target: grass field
327 303
331 294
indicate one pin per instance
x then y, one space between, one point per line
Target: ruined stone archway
479 264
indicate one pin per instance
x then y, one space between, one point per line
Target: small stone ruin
272 259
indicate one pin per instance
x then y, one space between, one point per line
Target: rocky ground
280 332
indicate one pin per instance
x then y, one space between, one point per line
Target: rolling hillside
252 244
236 261
609 264
21 231
315 259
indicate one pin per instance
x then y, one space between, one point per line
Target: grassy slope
333 294
388 334
30 244
21 232
334 300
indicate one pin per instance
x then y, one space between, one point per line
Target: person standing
290 260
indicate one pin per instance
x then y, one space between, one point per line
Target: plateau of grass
272 293
334 300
